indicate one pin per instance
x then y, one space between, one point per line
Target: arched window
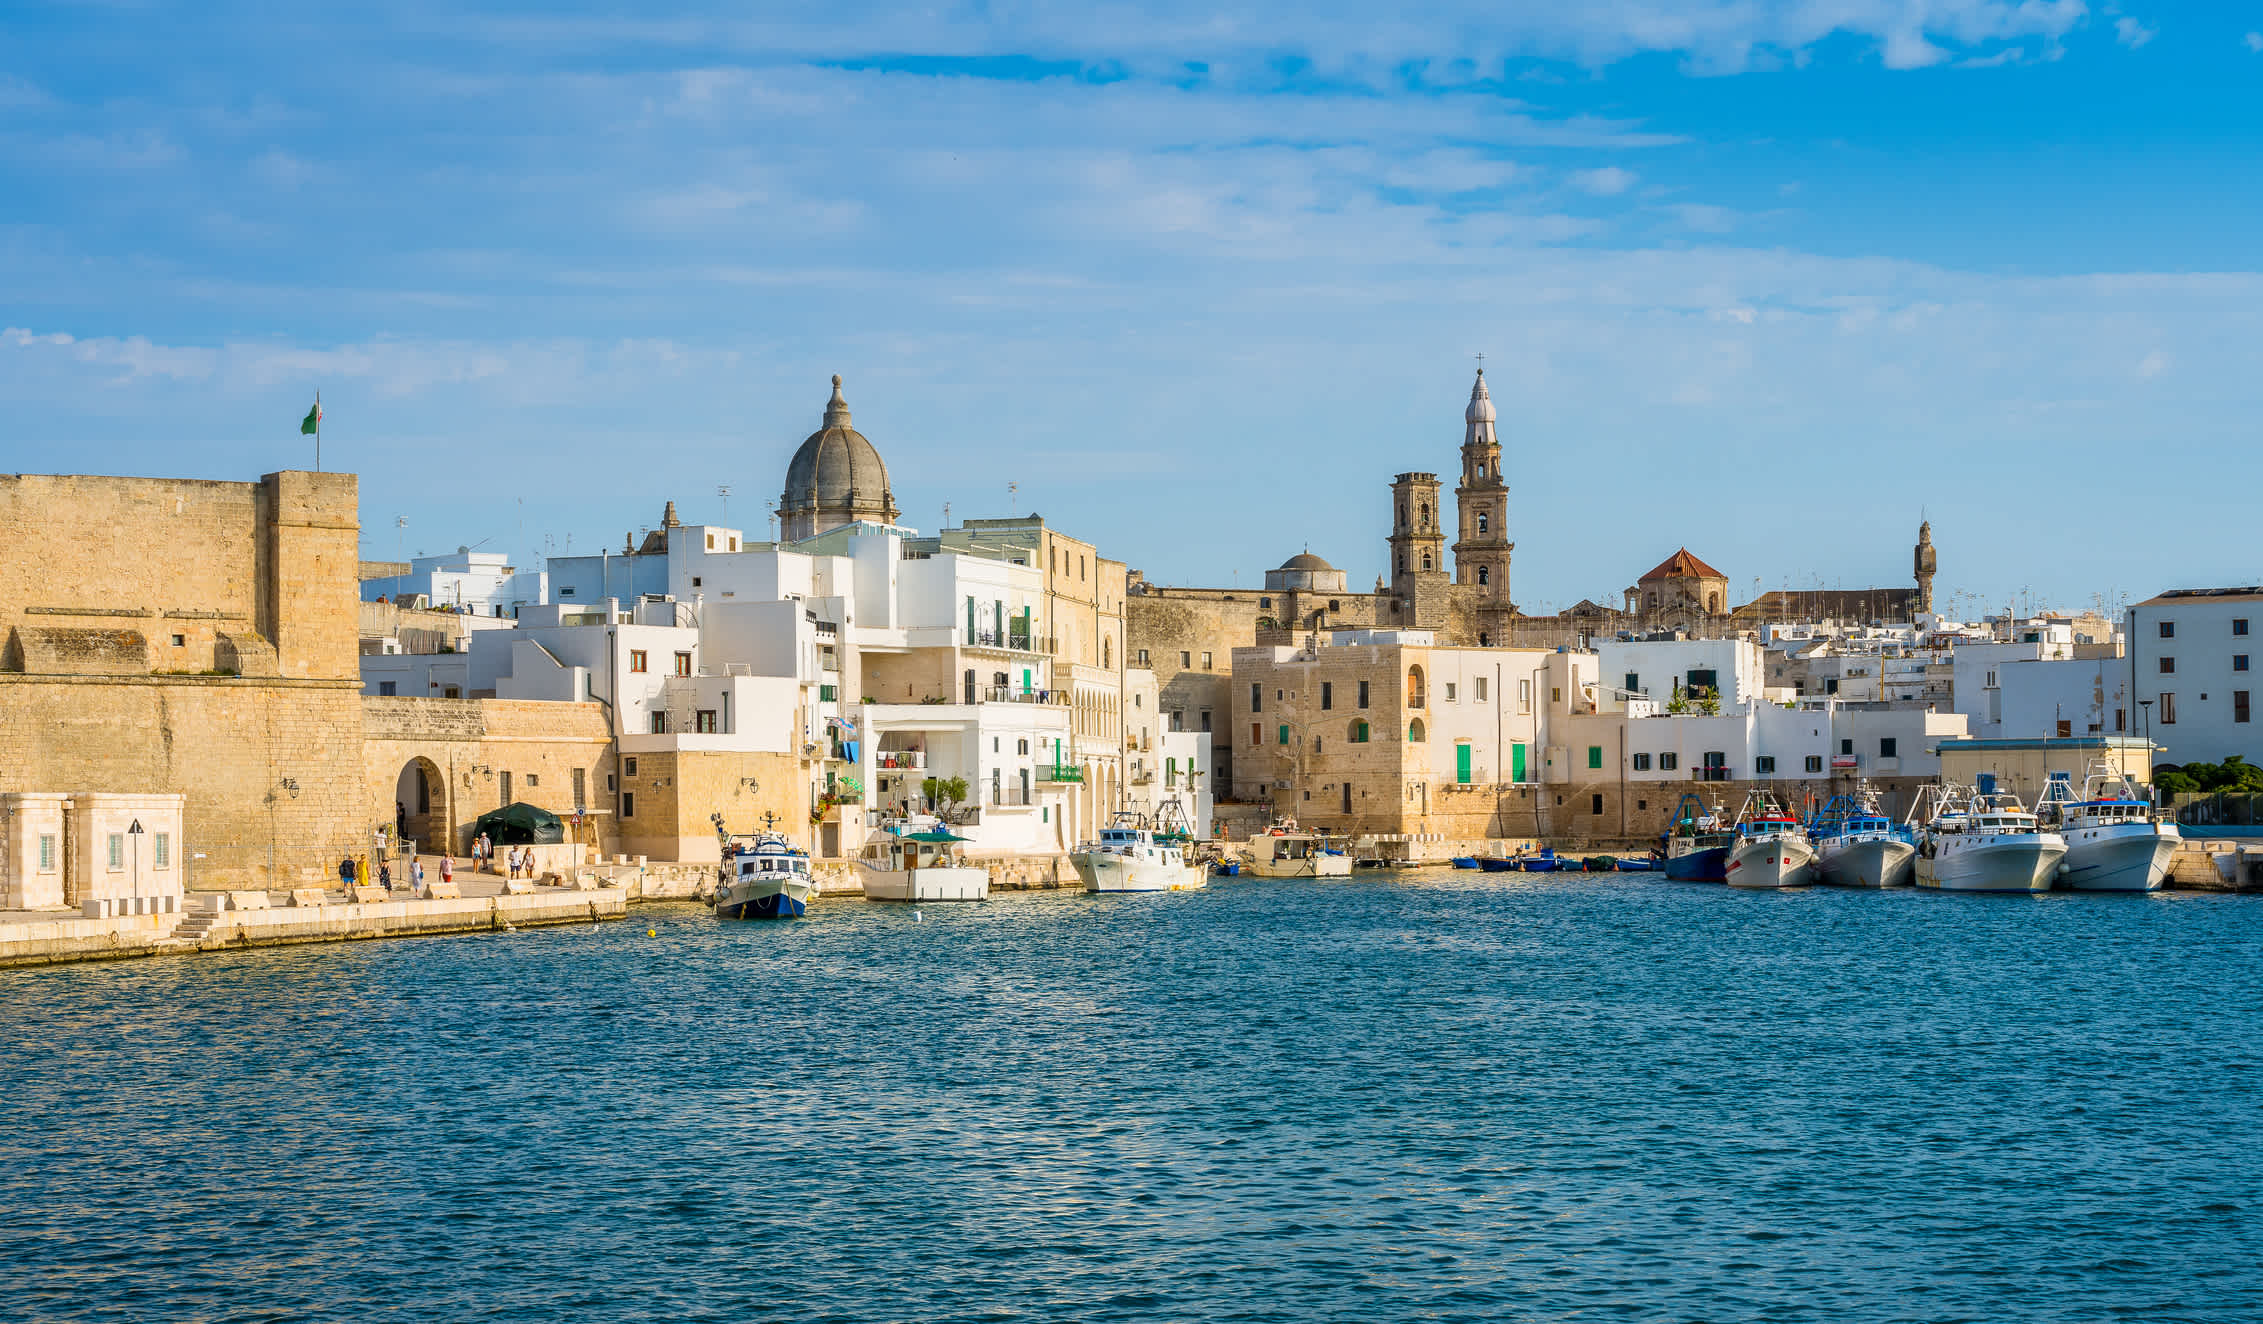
1108 653
1426 560
1402 563
1414 688
1424 511
1713 603
1653 602
1416 732
1481 468
1484 522
1402 514
1358 733
1484 574
1484 640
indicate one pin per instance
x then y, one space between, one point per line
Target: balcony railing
1059 773
1013 694
1012 641
901 759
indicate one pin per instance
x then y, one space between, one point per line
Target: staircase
196 925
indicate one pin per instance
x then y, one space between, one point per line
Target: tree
2233 774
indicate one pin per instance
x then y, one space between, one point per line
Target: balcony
1057 772
901 760
1012 641
1010 694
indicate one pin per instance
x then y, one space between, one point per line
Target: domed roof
838 472
1480 402
1305 561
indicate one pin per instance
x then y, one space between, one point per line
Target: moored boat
1129 856
1697 850
1857 846
2116 842
1496 864
763 876
1285 852
1988 843
922 865
1465 862
1771 850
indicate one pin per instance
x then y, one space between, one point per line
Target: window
1815 763
161 850
1206 662
1524 695
2066 728
1763 765
828 693
1594 756
1484 640
1143 657
2239 705
628 804
695 578
703 722
451 692
659 723
1595 804
1846 747
47 852
1021 747
711 542
628 767
117 850
1669 761
581 789
503 781
1363 694
1888 747
1265 604
2168 629
181 640
1256 698
1284 734
1700 681
1480 692
1414 687
2168 666
683 664
636 659
1484 521
1186 660
1335 605
1358 734
1642 763
1634 683
2168 709
1484 575
1417 733
2239 625
1256 734
387 689
1327 695
2239 661
1206 719
1449 691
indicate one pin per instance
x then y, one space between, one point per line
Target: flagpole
318 432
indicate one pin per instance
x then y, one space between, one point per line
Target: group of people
518 860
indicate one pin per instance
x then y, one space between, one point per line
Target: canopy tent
936 835
521 824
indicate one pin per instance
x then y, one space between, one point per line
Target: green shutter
1594 756
1461 763
1284 734
1516 762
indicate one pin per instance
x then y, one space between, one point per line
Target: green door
1516 761
1025 680
1461 763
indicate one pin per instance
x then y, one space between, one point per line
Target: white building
1662 669
481 583
2189 665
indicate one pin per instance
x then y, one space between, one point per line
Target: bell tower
1925 563
1481 552
1419 581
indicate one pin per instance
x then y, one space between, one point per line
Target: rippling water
1443 1096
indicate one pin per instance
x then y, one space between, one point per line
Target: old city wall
198 638
476 748
678 792
1164 625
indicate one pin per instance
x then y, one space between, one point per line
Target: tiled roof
1681 565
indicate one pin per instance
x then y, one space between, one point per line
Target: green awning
521 824
932 836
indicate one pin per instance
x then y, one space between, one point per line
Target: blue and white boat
1697 850
2116 842
1771 849
1857 846
763 877
1540 861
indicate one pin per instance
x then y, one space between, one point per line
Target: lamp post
135 832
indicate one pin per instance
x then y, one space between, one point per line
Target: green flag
313 423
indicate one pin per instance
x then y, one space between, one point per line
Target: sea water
1435 1095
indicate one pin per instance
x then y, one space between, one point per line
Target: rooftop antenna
723 490
1013 499
772 507
946 515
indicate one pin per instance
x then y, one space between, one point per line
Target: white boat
1989 843
1856 846
2116 842
1771 849
1284 852
1132 857
923 865
762 877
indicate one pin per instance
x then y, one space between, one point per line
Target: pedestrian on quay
385 875
482 854
346 873
447 868
416 875
518 861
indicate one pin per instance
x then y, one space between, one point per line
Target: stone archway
421 797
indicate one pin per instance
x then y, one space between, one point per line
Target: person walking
385 875
346 873
416 875
447 868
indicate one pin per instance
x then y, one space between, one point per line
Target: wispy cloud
2132 33
2255 41
1604 181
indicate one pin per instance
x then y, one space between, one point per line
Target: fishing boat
1465 862
763 876
1638 864
1697 850
1986 842
1857 846
1771 848
1540 861
2116 842
902 864
1496 864
1131 856
1285 852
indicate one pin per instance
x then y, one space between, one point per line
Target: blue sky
1768 278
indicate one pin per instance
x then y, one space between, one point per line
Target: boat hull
1316 866
1106 872
762 899
1491 864
1874 862
1770 862
2122 858
2011 862
1709 865
955 884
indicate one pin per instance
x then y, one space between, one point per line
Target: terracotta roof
1681 565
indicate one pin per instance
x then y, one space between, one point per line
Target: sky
1771 279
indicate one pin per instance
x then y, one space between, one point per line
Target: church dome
1480 408
1305 561
836 478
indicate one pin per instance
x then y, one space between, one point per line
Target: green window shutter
1594 756
1516 762
1461 763
1284 739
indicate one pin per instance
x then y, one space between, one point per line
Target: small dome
1305 561
1480 402
837 476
